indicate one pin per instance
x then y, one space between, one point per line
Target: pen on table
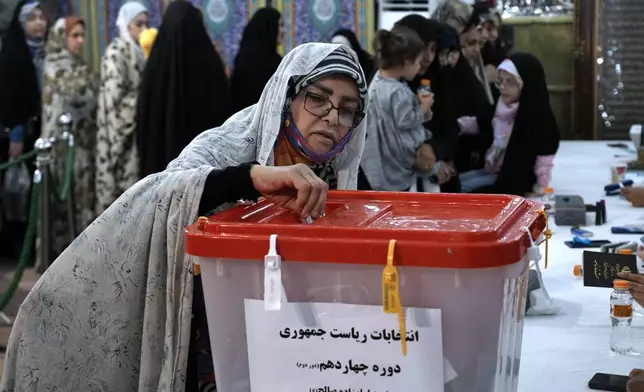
627 230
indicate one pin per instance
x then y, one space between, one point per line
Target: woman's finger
636 289
444 174
636 285
638 297
636 373
318 209
303 188
631 277
315 206
626 192
313 195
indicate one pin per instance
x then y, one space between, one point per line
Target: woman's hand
445 172
635 284
468 125
295 187
635 195
425 158
636 381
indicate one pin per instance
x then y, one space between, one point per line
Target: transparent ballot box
463 255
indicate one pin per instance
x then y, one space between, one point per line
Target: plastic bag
15 193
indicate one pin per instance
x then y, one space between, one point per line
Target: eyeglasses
320 106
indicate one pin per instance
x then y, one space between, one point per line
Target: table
561 353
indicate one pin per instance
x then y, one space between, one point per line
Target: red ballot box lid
436 230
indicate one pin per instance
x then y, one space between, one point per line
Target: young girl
395 118
526 135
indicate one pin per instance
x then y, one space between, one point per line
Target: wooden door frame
585 90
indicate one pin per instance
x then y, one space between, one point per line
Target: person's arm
547 143
485 136
226 186
543 169
444 127
468 125
444 133
408 115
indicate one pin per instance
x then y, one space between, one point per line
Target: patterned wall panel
225 21
316 20
620 67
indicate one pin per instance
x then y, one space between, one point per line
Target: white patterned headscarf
113 311
127 13
251 133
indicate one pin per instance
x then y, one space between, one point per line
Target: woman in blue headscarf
21 63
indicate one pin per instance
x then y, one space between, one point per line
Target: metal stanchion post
5 320
43 159
65 125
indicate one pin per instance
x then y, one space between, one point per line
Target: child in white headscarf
116 156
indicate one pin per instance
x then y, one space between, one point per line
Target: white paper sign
332 347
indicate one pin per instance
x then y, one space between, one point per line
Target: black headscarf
483 11
428 30
447 39
494 53
366 62
443 124
257 58
184 90
535 132
19 86
443 138
468 99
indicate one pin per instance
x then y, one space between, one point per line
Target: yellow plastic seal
391 294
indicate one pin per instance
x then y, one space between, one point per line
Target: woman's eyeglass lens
320 106
507 82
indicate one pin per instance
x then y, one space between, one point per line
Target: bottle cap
577 270
620 284
548 190
625 252
425 82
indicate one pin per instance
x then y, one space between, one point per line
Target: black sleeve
444 136
442 143
486 131
226 186
443 126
